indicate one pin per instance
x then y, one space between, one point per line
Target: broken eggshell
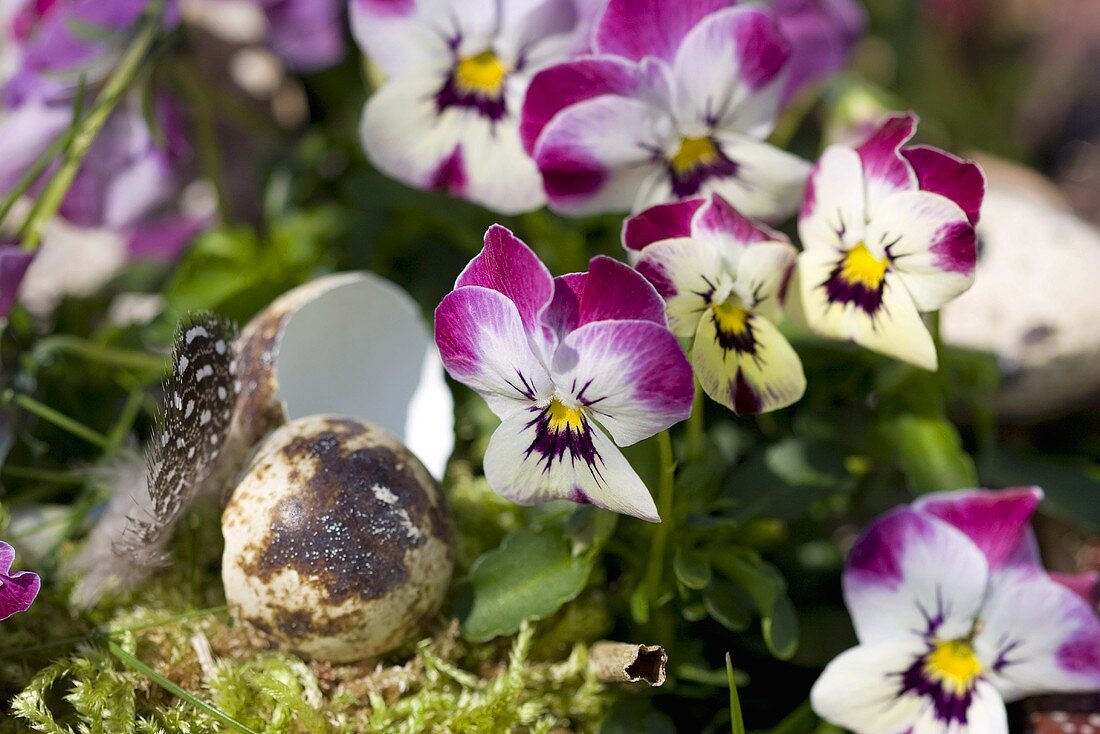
337 543
1034 302
353 344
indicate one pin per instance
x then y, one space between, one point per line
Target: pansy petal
632 376
996 520
859 689
744 362
685 271
719 222
529 462
609 291
14 263
912 574
484 346
883 319
884 169
507 265
595 155
1085 585
397 38
7 557
763 272
931 245
25 133
729 73
961 181
660 222
559 86
17 593
768 183
1037 636
498 174
833 205
823 34
635 29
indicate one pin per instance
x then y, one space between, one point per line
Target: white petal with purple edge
632 376
483 345
595 155
609 291
397 38
660 222
769 182
719 222
885 321
885 171
833 209
913 575
762 275
931 244
639 28
859 689
938 171
528 464
685 271
1036 636
729 73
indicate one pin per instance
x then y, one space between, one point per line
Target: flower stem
92 352
696 431
46 413
125 73
665 487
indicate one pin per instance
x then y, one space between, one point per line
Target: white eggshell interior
362 349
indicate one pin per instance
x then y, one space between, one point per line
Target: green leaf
737 722
718 678
692 569
930 454
728 605
758 578
781 629
529 576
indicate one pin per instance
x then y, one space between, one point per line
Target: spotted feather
198 406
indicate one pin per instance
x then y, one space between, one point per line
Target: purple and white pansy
887 233
955 617
571 365
18 589
724 279
676 101
447 116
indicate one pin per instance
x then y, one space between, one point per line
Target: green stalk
217 714
799 721
46 413
665 487
92 352
125 73
695 428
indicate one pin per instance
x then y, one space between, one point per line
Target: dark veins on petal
554 439
688 180
950 705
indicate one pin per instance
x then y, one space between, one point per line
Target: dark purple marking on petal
658 277
386 8
490 106
567 174
941 173
950 705
450 176
876 554
565 84
690 181
17 590
762 47
553 442
507 265
609 291
745 399
809 196
719 217
578 495
840 290
956 248
1081 655
881 154
660 222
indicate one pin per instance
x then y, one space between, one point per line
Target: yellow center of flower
731 317
954 665
693 153
862 267
563 418
481 74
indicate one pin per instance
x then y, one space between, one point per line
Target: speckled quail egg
337 543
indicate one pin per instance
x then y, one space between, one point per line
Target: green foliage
529 576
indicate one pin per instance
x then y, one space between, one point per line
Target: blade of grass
57 418
737 723
211 711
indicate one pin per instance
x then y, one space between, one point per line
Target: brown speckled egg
337 542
